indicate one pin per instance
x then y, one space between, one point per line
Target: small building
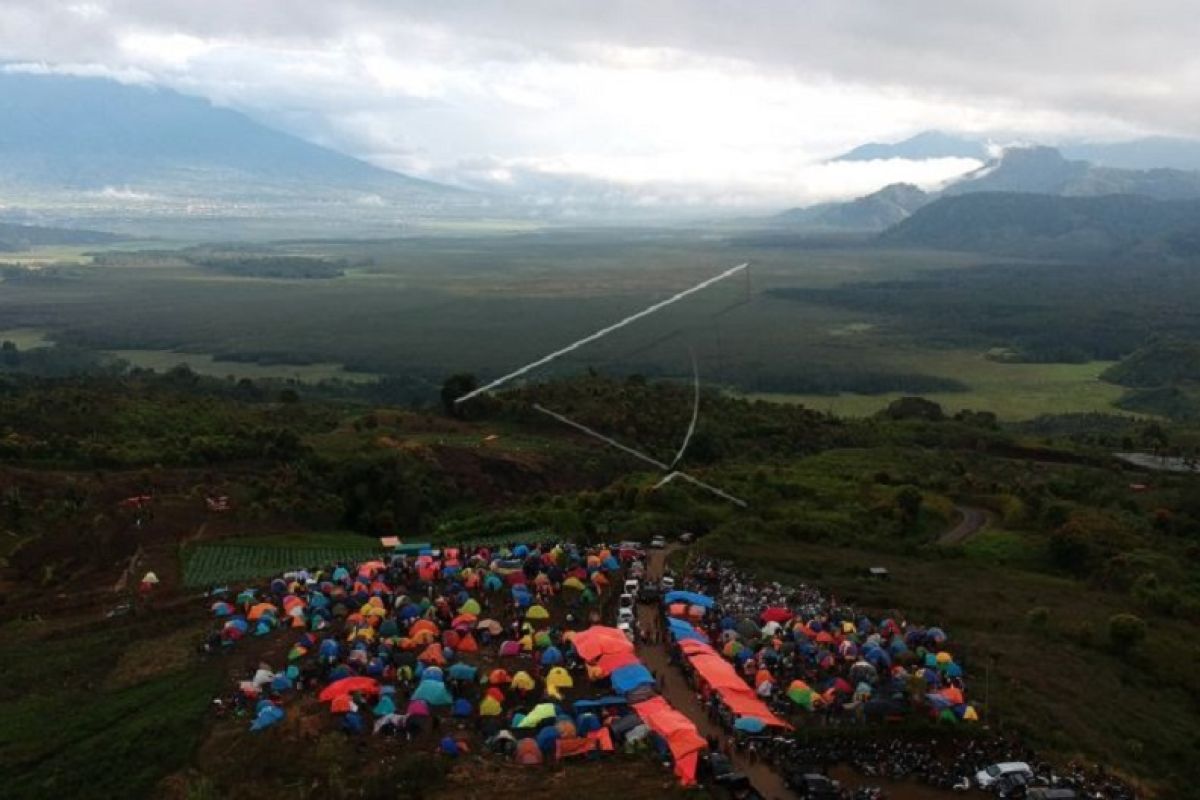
879 573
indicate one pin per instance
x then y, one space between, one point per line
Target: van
624 617
997 772
667 583
631 586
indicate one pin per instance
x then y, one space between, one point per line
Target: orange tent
423 625
600 640
433 655
346 686
260 609
467 644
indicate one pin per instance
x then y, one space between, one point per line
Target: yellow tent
573 583
559 678
527 643
522 681
970 715
537 612
470 607
944 657
490 707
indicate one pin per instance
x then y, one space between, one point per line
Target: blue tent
385 706
551 655
610 563
434 693
547 737
352 723
329 648
463 672
281 683
449 747
587 723
462 707
267 716
750 725
691 598
626 679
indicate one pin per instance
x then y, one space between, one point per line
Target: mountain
1161 362
874 212
22 237
930 144
1044 170
1048 225
1148 153
91 142
1025 170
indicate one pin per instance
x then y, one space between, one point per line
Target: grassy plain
1011 391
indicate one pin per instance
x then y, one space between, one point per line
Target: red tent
685 742
347 685
776 614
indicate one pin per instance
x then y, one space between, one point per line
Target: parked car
667 583
658 543
625 601
649 593
812 785
631 586
723 773
986 778
625 615
687 537
1013 786
627 629
1052 794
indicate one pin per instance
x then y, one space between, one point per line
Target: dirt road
973 521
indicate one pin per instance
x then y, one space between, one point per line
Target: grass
209 564
1011 391
65 732
26 338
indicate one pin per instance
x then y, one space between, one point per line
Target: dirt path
765 780
973 521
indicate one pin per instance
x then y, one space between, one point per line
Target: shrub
1125 632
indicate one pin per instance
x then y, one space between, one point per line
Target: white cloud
651 97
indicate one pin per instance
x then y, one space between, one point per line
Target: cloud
650 98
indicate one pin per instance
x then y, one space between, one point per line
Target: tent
462 707
600 640
537 612
559 678
490 707
347 685
522 681
528 753
542 712
268 715
434 693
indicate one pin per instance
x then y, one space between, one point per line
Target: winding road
973 521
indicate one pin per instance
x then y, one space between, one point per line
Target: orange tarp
600 640
614 661
573 746
734 692
681 736
603 739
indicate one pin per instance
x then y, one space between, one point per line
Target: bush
1125 632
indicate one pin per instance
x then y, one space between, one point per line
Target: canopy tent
600 640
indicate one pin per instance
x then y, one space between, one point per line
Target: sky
710 102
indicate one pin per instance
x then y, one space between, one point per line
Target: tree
453 388
1125 632
908 500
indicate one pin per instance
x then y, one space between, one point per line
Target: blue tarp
691 598
682 630
626 679
267 716
602 702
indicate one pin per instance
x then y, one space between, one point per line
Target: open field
1011 391
209 564
205 364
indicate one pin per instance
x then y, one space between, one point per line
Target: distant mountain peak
923 146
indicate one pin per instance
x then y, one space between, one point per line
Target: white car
658 542
667 583
624 617
996 772
626 600
631 586
627 629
